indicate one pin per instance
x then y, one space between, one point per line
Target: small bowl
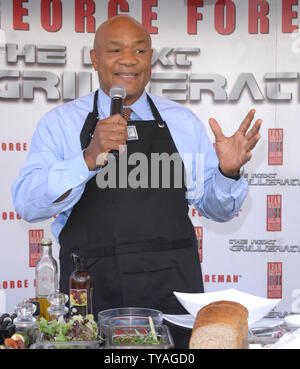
292 321
129 317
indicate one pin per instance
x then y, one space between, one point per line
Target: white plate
187 321
292 321
257 307
184 320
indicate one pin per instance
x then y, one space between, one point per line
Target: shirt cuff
67 174
226 184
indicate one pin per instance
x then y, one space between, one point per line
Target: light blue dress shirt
55 162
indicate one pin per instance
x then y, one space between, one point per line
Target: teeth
127 74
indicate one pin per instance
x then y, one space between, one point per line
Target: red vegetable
9 342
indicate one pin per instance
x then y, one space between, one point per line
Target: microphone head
117 91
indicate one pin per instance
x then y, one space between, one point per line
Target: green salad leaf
74 328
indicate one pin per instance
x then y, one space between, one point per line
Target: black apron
140 244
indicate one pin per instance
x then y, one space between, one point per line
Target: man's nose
128 57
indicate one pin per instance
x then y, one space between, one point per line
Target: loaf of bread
220 325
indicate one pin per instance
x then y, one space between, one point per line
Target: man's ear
94 59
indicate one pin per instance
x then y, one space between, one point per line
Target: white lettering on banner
174 86
44 81
40 54
56 54
191 86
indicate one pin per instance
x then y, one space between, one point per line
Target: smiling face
122 56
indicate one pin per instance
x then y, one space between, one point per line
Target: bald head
122 55
119 23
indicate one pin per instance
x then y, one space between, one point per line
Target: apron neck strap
89 125
95 105
154 110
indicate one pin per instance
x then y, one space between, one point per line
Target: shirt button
81 176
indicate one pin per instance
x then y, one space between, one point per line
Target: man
139 242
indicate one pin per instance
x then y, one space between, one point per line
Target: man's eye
114 50
139 51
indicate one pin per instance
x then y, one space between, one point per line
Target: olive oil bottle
46 277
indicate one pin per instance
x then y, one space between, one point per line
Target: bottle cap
79 261
25 310
57 305
58 299
46 242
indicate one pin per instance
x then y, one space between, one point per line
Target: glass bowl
128 317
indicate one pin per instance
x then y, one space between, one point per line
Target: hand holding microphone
110 133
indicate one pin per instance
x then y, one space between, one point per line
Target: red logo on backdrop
222 278
199 236
274 213
35 236
275 156
275 280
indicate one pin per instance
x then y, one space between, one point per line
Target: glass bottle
46 277
81 288
57 307
25 322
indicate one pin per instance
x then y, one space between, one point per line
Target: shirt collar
141 107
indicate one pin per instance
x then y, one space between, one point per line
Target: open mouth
126 75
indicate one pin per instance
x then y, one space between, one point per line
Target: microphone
117 94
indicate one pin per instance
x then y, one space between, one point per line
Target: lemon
21 336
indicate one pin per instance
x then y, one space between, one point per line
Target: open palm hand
233 152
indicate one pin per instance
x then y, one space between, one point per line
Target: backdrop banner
220 59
